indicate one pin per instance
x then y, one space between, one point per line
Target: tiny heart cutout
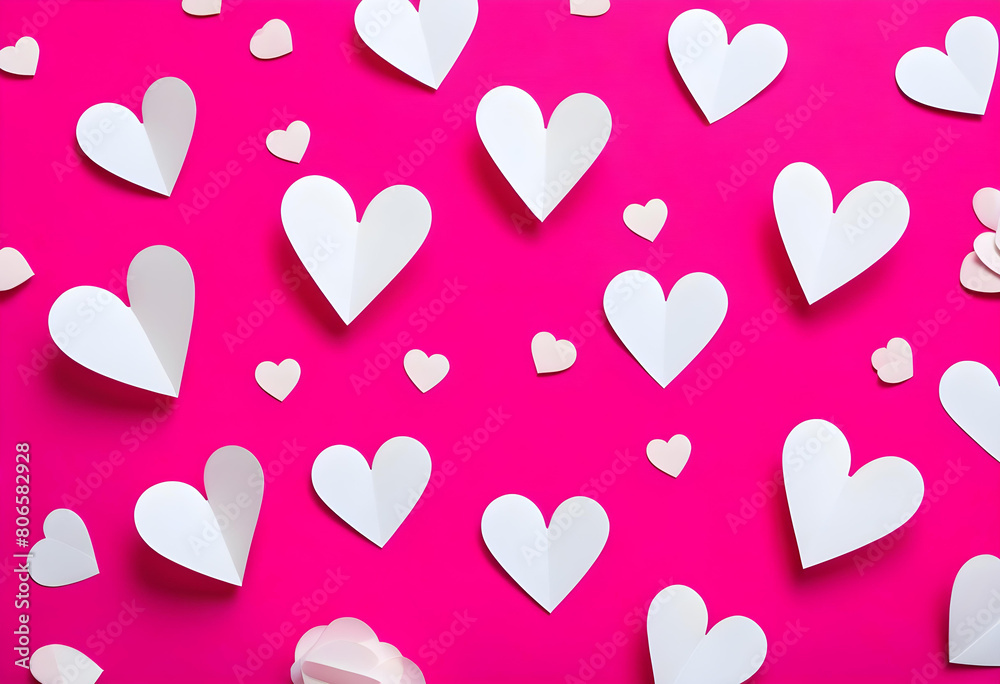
646 221
425 371
59 664
986 204
21 58
589 8
202 8
278 379
973 620
289 144
976 277
66 554
670 457
894 361
551 355
14 269
272 40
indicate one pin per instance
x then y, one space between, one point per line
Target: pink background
871 616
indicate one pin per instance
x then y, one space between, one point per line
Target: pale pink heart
976 277
272 40
986 204
202 8
551 355
986 249
589 8
21 58
14 269
278 379
646 221
670 457
894 361
425 371
289 144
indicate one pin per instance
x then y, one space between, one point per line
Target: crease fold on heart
974 638
347 651
65 555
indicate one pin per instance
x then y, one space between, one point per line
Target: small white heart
272 40
646 221
66 554
551 355
670 457
14 269
425 371
894 361
278 379
21 58
289 144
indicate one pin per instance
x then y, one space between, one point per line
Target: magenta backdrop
876 615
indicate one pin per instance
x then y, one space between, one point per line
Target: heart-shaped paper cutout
374 501
14 269
827 248
589 8
959 81
974 614
144 344
353 261
542 163
347 652
665 335
21 58
546 561
425 371
289 144
986 204
66 554
894 361
833 513
202 8
278 379
970 394
213 536
151 153
59 664
272 40
976 277
646 221
671 456
986 249
551 355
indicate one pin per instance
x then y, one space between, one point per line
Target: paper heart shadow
163 577
102 176
491 181
342 524
681 87
939 113
79 382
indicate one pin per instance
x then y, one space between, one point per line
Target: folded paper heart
684 651
971 396
665 334
278 379
589 8
425 371
66 554
723 76
350 260
974 614
894 361
144 344
209 536
14 269
545 561
670 457
202 8
551 355
374 501
828 248
21 58
59 664
289 144
986 204
151 153
833 513
423 44
347 652
975 276
272 40
959 81
646 221
542 163
986 249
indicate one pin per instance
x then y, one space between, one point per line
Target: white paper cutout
986 250
149 154
211 537
959 81
976 277
542 164
424 45
589 8
202 8
59 664
143 345
986 204
894 361
353 261
646 221
347 652
551 355
970 394
14 269
833 513
425 371
374 501
827 249
546 561
289 144
21 58
974 614
272 40
720 76
278 379
665 335
670 456
65 555
685 651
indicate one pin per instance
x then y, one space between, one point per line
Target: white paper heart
974 614
213 536
589 8
289 144
665 335
143 345
425 371
353 261
424 45
833 513
202 8
685 651
149 154
14 269
722 77
542 164
646 221
347 652
976 277
545 561
66 554
374 501
272 40
278 379
959 81
827 249
986 249
21 58
59 664
551 355
970 394
894 361
671 456
986 204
